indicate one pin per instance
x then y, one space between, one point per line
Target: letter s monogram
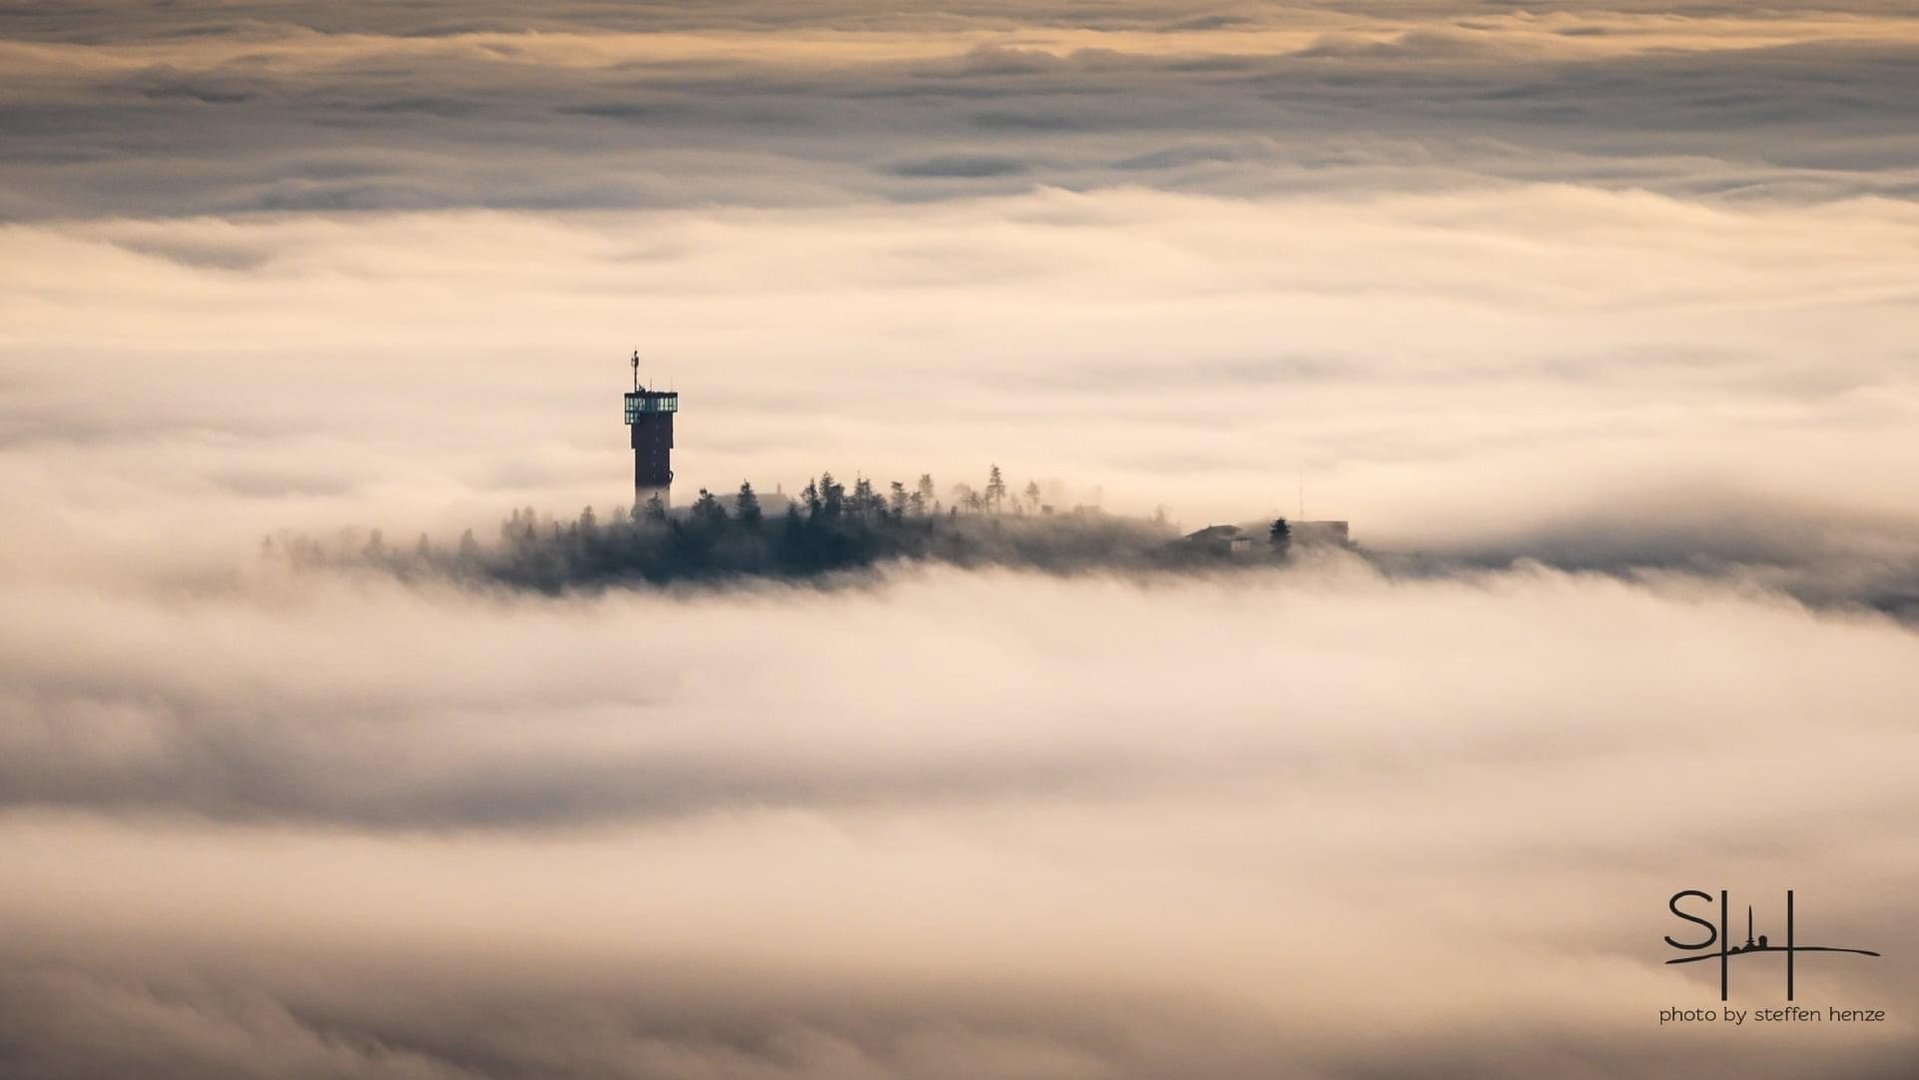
1712 932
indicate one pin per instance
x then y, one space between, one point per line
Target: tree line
825 497
826 528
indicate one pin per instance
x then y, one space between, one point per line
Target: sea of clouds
1596 321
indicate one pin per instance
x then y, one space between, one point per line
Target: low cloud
403 727
1436 367
697 106
993 822
1596 324
960 166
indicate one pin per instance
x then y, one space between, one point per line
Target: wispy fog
1597 323
1437 367
1309 821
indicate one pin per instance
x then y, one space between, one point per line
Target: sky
1599 315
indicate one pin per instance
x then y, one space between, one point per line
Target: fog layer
1595 322
1305 821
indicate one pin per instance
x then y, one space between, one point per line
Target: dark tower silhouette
650 414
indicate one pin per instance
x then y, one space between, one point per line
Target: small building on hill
1222 540
1254 538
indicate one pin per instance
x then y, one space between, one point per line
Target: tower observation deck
649 413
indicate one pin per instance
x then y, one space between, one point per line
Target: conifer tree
995 489
707 509
747 506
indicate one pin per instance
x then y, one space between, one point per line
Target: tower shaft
649 414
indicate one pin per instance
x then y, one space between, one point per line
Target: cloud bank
229 109
1034 826
1437 366
1596 323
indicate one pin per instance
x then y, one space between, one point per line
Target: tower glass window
642 402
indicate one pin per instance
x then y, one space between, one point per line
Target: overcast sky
1598 287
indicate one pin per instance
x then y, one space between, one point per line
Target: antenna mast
636 369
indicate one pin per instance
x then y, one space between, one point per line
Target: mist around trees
828 528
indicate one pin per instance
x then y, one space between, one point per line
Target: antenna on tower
636 369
